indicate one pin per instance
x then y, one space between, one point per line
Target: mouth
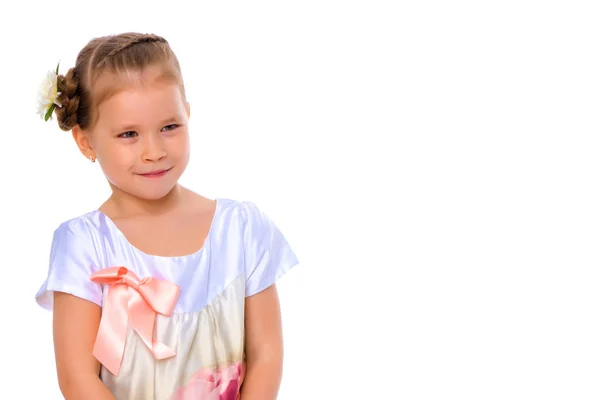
156 174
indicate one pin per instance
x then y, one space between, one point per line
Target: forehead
138 94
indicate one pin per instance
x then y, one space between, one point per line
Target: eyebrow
130 127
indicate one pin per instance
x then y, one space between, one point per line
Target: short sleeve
72 261
267 253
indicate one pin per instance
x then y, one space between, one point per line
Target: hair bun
68 99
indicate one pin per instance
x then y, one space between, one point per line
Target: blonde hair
125 56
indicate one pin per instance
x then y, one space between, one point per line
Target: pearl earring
92 159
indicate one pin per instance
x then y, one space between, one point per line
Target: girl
160 293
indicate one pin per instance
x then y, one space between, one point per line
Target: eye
127 135
170 127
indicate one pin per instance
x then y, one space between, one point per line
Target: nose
154 149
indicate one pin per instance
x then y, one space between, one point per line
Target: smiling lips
155 174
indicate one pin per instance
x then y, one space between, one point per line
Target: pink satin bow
132 300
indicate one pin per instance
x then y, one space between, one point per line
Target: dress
243 254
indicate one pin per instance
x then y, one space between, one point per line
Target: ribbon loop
134 301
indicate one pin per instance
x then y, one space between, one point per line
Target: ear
82 140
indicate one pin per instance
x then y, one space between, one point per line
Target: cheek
179 146
117 157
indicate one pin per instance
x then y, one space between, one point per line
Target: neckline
206 243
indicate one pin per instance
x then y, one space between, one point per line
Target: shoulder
82 231
73 258
256 225
248 214
77 226
249 211
243 211
79 241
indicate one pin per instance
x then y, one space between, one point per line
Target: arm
264 346
75 326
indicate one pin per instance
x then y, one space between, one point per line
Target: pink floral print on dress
213 384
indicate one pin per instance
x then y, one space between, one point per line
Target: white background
434 165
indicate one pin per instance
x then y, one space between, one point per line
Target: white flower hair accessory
47 95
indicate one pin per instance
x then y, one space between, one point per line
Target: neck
123 204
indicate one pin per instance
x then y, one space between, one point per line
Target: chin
155 194
146 192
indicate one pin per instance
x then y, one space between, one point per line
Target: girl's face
141 137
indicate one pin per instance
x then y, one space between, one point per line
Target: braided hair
116 54
131 39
